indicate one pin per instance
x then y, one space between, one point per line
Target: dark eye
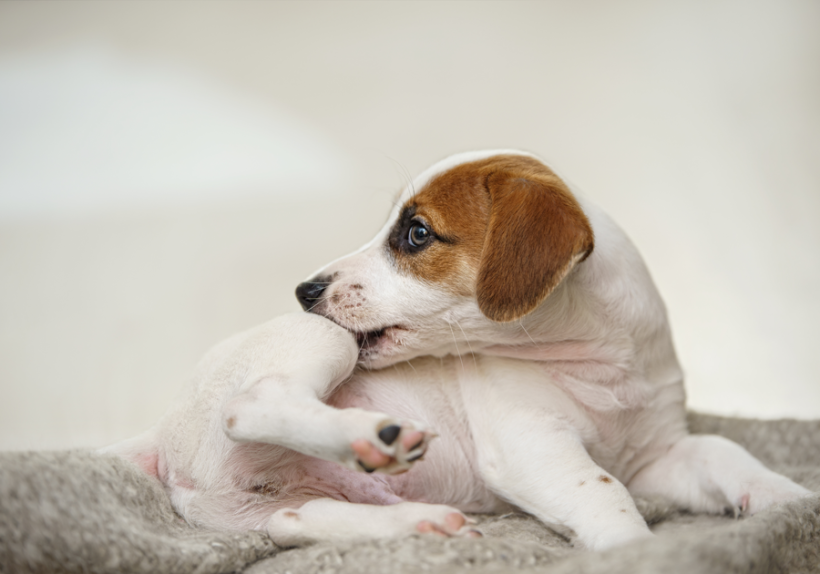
418 235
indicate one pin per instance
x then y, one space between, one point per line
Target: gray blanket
82 512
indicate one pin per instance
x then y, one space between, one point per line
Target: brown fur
511 230
456 209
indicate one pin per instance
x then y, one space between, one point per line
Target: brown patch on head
604 478
230 422
506 229
456 207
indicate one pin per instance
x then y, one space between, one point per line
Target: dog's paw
398 446
764 491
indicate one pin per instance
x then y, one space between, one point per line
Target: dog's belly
427 391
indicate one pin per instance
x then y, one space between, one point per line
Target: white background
170 171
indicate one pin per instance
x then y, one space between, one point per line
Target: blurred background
169 171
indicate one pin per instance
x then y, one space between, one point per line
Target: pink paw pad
454 525
407 444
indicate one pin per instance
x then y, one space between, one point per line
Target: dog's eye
418 235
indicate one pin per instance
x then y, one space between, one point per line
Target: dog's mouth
370 338
385 337
376 341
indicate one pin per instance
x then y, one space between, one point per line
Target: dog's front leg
530 453
553 478
290 364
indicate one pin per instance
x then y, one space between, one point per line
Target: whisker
312 307
332 307
456 343
467 340
521 324
404 173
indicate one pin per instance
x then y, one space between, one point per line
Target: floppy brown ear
536 233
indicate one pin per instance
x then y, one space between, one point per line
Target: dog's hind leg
293 363
706 473
328 520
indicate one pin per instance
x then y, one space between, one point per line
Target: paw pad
389 434
454 524
397 448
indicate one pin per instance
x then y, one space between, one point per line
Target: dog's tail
142 450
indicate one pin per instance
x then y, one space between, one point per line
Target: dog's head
476 242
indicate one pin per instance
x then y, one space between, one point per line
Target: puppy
496 310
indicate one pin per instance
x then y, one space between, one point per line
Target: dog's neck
607 311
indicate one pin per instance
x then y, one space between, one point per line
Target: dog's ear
536 234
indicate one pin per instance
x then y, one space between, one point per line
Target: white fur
560 413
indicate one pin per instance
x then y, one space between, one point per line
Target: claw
417 445
414 458
741 508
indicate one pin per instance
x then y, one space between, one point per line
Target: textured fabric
83 512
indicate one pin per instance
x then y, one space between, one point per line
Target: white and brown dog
497 309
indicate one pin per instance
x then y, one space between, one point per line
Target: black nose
309 292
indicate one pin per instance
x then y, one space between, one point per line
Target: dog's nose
309 292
